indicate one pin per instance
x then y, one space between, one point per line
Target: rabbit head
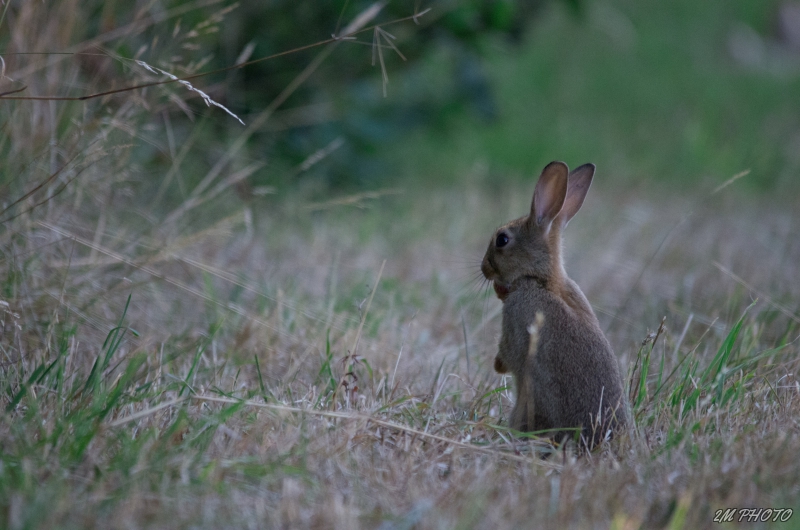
531 246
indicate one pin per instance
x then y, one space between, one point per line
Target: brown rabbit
564 370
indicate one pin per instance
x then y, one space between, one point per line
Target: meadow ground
317 358
365 410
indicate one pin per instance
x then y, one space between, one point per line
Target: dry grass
203 370
415 436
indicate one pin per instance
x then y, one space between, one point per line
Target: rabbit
565 373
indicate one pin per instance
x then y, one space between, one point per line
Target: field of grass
180 351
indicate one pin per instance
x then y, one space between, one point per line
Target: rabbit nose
486 268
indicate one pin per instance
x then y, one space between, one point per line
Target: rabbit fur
565 372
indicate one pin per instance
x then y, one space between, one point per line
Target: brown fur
571 380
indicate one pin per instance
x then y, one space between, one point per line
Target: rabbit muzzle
501 289
487 270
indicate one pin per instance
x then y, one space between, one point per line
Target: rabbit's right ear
579 181
550 193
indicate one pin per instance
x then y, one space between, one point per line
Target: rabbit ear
579 181
550 193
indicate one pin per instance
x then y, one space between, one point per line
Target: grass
238 399
224 361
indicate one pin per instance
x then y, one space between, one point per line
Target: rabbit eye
501 241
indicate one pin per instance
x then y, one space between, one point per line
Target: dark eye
501 241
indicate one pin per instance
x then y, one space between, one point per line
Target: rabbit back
573 375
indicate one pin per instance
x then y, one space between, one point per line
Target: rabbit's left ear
579 181
550 193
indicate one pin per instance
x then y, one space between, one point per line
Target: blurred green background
673 92
664 94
